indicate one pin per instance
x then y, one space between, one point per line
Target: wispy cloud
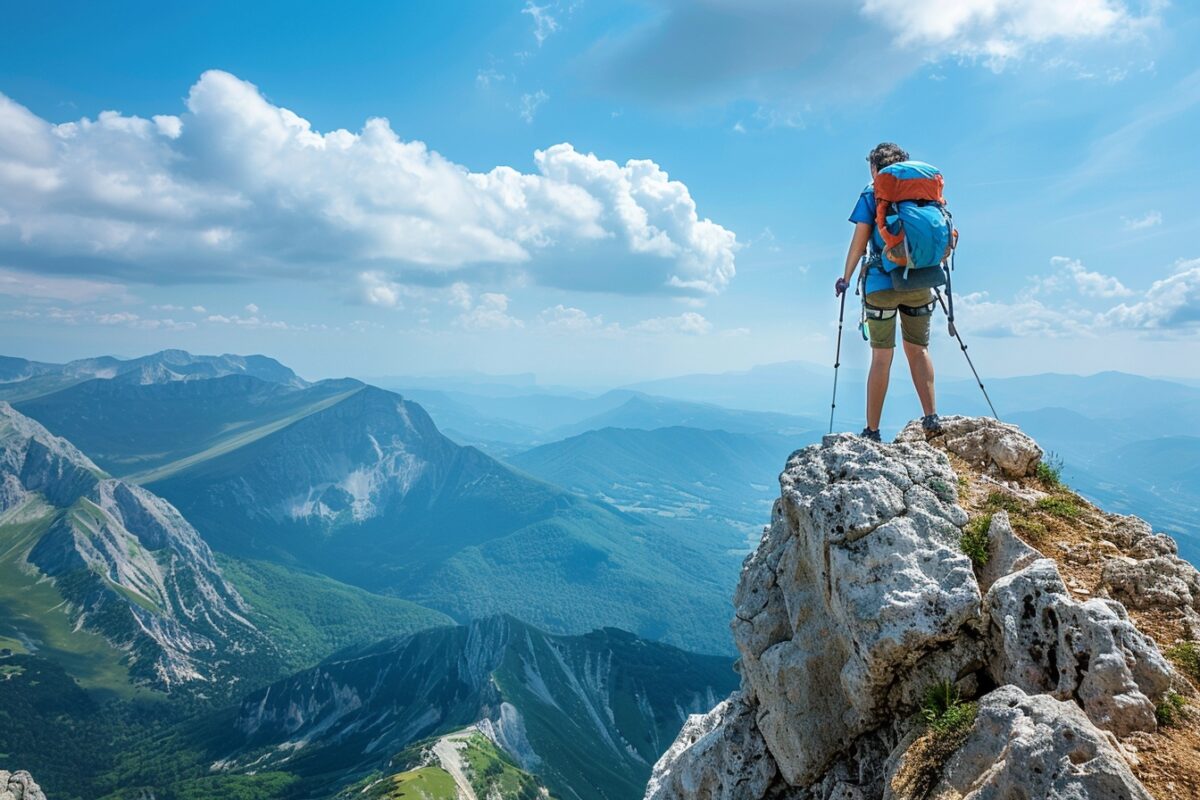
18 283
77 317
484 78
999 32
1147 220
1123 142
544 24
768 50
689 322
571 320
530 103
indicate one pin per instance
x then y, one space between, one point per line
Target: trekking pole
954 332
837 359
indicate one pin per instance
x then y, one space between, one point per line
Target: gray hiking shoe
873 436
931 424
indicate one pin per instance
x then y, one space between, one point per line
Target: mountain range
21 378
358 484
219 579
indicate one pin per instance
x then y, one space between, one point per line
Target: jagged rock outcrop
994 447
727 757
1006 552
128 565
1027 746
1149 575
19 785
1046 641
859 598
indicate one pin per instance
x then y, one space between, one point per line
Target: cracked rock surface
19 785
859 599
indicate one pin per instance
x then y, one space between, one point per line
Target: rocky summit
903 634
19 785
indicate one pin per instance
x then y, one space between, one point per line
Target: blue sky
593 191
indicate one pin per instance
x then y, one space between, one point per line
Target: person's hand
841 286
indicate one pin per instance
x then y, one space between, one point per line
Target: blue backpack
915 225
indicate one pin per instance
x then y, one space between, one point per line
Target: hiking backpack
917 230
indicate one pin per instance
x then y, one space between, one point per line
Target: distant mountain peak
164 366
128 565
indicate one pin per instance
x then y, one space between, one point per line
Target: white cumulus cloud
573 320
236 186
1083 280
489 314
1172 303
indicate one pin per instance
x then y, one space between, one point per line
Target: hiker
888 289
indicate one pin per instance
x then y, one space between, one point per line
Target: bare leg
921 367
877 383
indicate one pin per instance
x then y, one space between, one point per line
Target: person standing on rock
884 303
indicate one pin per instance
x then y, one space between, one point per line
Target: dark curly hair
885 154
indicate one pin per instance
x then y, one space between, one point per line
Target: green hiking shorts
915 330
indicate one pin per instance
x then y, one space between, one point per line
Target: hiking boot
931 424
872 435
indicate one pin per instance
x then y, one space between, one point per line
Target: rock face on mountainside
860 607
588 715
19 785
126 563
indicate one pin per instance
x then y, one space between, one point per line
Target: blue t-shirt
864 211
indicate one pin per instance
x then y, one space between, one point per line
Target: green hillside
147 432
308 615
677 471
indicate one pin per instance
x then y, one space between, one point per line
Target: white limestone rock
1006 552
1045 641
19 785
1163 583
857 599
1026 746
994 447
717 756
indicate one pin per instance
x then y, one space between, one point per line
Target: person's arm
858 246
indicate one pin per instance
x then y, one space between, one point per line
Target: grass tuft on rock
999 501
1059 506
945 711
949 719
1186 656
1049 471
1171 709
974 539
